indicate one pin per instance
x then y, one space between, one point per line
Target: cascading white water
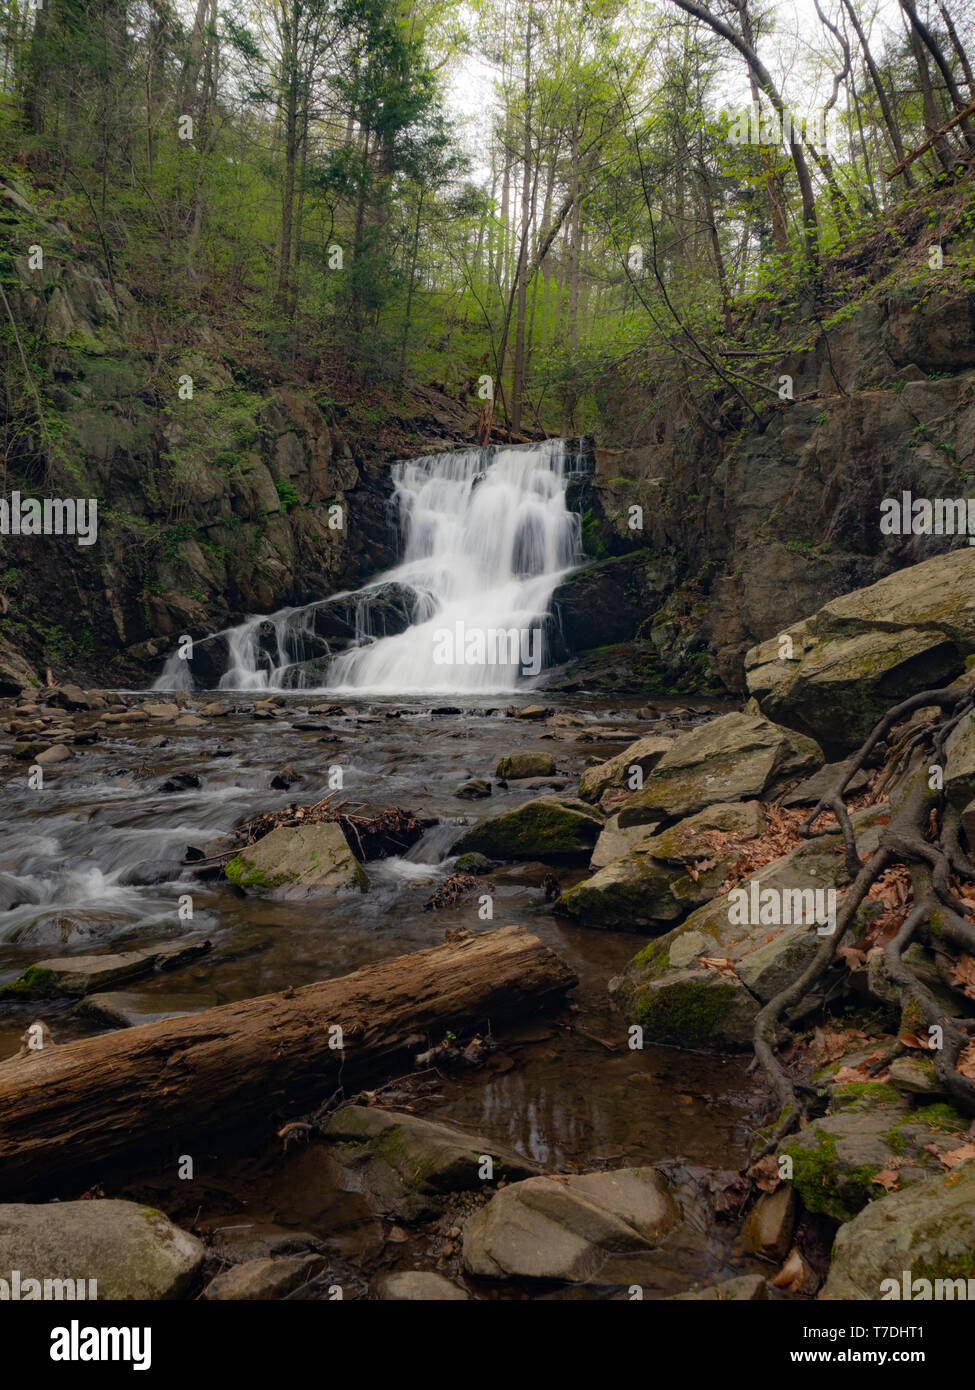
487 536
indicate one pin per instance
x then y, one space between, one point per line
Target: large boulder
308 857
927 1230
656 883
678 998
550 827
587 1228
132 1251
866 651
733 758
644 754
871 1130
518 765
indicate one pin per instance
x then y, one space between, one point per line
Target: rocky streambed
687 865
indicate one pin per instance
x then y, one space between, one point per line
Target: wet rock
305 857
134 1252
473 864
550 827
927 1230
735 758
417 1286
586 1228
181 782
862 653
14 891
407 1165
286 778
217 709
531 712
644 754
84 974
155 709
71 697
520 765
265 1279
474 790
124 1009
57 753
189 721
769 1226
129 716
743 1289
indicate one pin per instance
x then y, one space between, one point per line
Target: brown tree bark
76 1109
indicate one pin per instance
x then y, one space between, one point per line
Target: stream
95 864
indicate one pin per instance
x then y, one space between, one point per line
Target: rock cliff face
749 526
223 488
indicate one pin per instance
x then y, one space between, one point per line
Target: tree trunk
76 1109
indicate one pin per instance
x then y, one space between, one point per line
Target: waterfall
486 536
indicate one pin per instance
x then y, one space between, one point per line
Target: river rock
264 1279
862 653
474 790
71 697
927 1230
417 1286
472 864
160 709
735 758
85 974
550 827
126 1009
134 1252
57 753
656 882
836 1158
663 990
614 842
307 856
521 765
768 1227
580 1229
407 1164
644 754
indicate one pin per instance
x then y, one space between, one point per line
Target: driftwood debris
79 1108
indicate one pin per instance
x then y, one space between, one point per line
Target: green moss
683 1013
33 981
243 874
825 1188
858 1094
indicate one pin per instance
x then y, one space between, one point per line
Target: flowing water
486 536
95 862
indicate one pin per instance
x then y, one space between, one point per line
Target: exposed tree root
924 833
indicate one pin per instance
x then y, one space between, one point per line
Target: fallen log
78 1108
